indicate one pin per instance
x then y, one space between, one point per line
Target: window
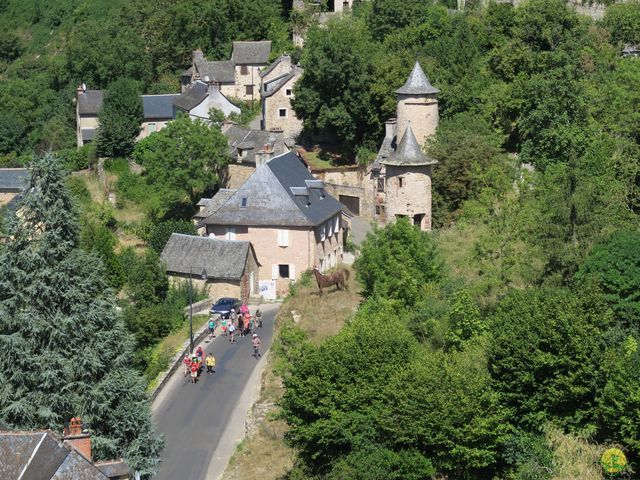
244 70
322 233
248 89
283 238
381 184
283 271
231 233
288 92
400 182
243 202
282 112
151 128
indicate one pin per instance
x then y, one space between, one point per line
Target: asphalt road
193 417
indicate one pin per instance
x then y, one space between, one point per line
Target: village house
249 149
285 213
12 182
222 267
44 455
313 7
239 77
199 98
158 110
277 93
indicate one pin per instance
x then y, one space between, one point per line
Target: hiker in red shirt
194 372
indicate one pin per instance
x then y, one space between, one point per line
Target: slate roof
222 259
213 204
13 180
217 71
192 96
158 106
408 152
277 83
253 141
42 456
274 64
271 201
251 53
90 102
417 83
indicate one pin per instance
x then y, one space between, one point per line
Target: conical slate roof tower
409 153
417 83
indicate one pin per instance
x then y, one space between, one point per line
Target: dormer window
243 202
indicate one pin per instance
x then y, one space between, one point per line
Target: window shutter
292 271
231 233
283 238
322 234
274 272
330 228
337 221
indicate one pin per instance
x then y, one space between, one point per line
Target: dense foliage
120 118
57 312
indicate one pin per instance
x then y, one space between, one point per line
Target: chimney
390 128
78 438
198 55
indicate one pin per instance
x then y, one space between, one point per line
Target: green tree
333 96
120 118
10 47
160 232
616 266
396 262
465 322
186 157
56 311
545 353
623 22
147 282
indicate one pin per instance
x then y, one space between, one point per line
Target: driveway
193 417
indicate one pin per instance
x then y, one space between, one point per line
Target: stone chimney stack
78 438
390 128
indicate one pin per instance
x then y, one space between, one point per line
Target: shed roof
417 83
90 102
251 53
408 152
158 106
222 259
192 96
270 200
13 180
213 204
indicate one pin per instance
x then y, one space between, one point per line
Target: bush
160 232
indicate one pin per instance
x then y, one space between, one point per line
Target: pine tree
64 350
120 118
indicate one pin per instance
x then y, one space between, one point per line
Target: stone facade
408 194
247 87
420 112
276 92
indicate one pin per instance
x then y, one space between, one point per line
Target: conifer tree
63 348
120 118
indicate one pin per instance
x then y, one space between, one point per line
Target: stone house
238 77
200 97
12 182
400 177
158 111
225 268
287 216
44 455
313 7
249 149
249 58
277 92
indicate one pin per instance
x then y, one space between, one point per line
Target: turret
417 106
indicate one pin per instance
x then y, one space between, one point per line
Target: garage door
352 203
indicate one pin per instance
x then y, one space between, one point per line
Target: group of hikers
242 322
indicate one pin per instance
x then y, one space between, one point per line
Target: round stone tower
408 182
417 106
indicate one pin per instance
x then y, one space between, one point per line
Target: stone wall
352 181
290 125
214 288
7 197
238 173
252 77
421 112
413 197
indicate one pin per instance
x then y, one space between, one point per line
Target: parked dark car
224 305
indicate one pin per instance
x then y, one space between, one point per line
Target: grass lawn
263 455
314 160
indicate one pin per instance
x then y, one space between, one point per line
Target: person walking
259 317
232 329
194 371
211 363
186 363
212 327
223 324
255 341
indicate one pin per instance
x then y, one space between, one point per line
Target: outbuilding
225 268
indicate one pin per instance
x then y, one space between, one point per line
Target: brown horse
324 281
